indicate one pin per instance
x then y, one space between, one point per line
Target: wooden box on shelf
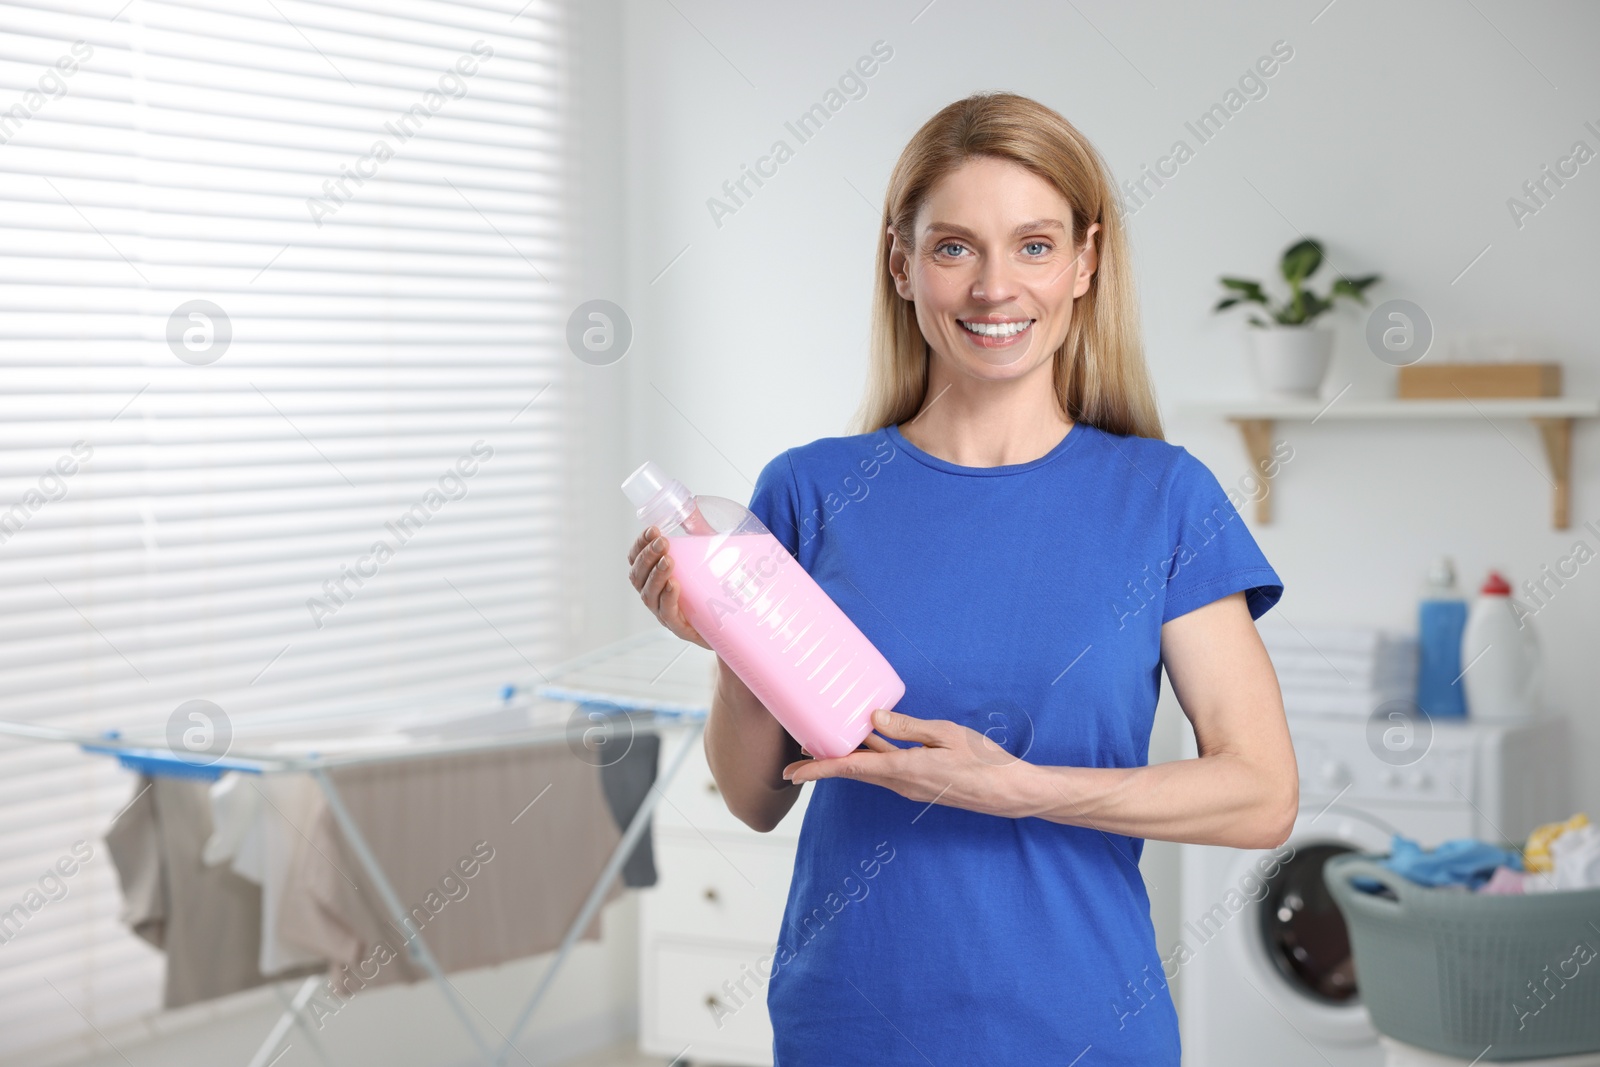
1451 381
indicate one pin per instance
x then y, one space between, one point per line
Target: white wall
1395 133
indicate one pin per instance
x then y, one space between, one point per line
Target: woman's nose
995 282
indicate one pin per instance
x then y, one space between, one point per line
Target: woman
1011 530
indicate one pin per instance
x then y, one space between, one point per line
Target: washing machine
1262 970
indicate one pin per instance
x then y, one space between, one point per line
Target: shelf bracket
1557 434
1552 416
1257 435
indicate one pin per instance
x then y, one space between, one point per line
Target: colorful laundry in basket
1536 855
1463 861
1505 882
1559 856
1576 858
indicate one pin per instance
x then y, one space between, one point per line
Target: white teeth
996 329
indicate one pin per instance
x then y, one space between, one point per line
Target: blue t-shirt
1026 602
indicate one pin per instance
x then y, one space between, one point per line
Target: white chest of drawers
708 928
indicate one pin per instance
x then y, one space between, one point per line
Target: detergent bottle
1441 621
759 610
1501 657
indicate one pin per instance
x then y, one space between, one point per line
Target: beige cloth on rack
493 854
206 919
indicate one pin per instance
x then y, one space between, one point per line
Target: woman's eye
1043 246
941 249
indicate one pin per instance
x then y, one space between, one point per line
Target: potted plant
1290 353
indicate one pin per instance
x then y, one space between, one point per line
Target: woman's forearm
1217 799
747 750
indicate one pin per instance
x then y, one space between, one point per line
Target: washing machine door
1292 944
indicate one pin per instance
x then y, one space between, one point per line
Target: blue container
1441 621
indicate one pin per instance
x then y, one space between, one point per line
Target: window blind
280 283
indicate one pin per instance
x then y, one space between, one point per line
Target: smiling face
994 269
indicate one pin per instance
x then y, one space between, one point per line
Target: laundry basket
1473 975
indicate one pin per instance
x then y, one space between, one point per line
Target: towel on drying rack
206 919
534 826
264 853
627 781
490 853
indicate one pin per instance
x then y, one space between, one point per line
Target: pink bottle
766 617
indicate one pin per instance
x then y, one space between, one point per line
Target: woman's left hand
952 764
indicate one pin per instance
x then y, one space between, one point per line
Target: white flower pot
1290 361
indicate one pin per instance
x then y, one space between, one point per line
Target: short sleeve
776 502
1213 552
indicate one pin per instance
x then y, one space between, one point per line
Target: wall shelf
1553 416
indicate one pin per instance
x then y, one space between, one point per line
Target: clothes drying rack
651 682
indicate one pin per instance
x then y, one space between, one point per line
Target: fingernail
788 776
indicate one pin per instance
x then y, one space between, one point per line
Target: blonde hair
1100 374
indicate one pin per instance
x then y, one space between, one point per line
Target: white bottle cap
656 498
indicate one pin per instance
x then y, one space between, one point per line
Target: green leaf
1247 290
1257 321
1226 302
1344 288
1301 260
1354 288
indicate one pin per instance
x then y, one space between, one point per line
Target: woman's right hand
650 571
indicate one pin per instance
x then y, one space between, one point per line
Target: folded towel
1347 683
1345 667
1329 681
1330 639
1357 703
1341 670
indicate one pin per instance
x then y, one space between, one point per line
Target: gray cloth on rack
206 919
133 841
627 782
491 853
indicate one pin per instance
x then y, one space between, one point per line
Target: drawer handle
711 894
712 1002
